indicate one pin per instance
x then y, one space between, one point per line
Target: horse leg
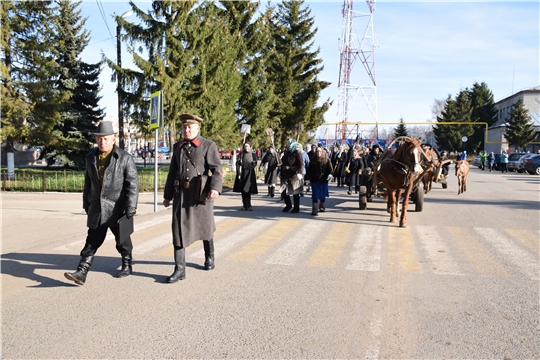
405 206
465 182
392 204
459 184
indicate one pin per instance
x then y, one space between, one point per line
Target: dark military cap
190 119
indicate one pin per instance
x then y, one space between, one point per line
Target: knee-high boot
321 207
314 207
296 199
287 199
208 254
271 190
79 276
126 266
179 265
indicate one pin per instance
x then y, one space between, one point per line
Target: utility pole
120 82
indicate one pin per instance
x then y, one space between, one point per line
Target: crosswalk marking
477 254
329 251
265 241
437 251
526 238
297 243
367 249
402 251
519 257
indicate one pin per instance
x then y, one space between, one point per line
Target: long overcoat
271 176
107 202
246 178
192 220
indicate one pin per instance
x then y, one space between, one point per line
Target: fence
67 180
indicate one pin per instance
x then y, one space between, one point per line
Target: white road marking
524 261
367 249
297 243
437 251
374 343
225 243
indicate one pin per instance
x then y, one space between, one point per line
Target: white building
531 101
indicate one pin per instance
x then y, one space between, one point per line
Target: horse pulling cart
397 172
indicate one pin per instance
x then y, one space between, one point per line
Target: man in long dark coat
111 189
195 179
271 161
246 178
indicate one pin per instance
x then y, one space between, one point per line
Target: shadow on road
26 266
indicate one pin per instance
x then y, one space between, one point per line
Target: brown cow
462 170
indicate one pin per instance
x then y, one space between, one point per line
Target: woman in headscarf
292 182
319 173
271 161
246 179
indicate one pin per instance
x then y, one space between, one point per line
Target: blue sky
426 51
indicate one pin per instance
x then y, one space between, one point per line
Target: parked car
513 159
225 154
476 162
519 164
532 165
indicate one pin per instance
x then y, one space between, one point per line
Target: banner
156 110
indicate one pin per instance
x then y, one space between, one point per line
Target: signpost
156 122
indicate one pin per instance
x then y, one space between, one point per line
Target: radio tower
352 48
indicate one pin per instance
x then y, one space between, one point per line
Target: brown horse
398 172
462 170
430 173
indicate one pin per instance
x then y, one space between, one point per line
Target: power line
102 11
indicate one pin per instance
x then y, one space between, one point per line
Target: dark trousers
504 167
246 199
96 237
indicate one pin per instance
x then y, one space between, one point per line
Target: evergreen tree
401 129
79 113
450 136
519 129
256 93
483 110
293 68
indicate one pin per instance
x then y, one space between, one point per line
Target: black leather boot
271 191
208 254
288 205
296 199
79 276
180 265
126 266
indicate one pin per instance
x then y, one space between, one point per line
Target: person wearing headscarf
319 172
270 161
292 167
340 162
354 170
246 178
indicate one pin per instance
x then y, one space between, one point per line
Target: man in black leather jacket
111 189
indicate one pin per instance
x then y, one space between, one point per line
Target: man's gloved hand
330 177
130 212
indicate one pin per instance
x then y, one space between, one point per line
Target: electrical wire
102 11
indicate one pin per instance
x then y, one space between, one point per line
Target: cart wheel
362 198
444 185
418 199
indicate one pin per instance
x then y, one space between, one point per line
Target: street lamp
120 82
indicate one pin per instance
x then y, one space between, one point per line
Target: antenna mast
351 48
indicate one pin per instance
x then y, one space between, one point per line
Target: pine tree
449 137
256 93
483 110
519 129
401 129
293 68
79 113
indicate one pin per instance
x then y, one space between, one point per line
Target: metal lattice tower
352 48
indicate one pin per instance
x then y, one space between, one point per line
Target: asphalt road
460 282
